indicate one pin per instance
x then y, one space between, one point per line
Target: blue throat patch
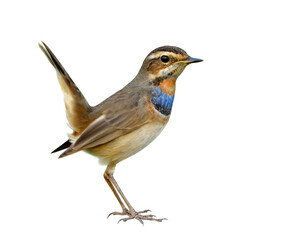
162 102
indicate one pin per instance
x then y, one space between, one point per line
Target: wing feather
126 113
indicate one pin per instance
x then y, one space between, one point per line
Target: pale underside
128 144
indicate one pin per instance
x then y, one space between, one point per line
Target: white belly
127 145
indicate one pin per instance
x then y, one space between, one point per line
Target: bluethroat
127 121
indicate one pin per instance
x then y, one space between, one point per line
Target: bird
126 122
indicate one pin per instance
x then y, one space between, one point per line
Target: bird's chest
163 96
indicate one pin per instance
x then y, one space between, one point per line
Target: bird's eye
164 59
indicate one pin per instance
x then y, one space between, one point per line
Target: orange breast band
168 86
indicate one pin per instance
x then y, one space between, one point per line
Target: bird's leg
132 214
124 209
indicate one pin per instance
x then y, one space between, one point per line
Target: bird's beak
191 60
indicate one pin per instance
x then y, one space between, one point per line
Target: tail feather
63 146
68 152
54 61
78 110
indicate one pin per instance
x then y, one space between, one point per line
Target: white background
227 166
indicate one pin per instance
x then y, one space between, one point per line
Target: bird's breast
163 96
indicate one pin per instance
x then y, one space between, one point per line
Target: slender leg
108 173
132 214
125 210
112 180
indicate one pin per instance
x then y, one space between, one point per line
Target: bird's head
166 62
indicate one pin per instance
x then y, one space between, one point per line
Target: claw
145 211
129 218
136 215
113 213
124 212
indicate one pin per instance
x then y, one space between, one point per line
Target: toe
123 213
145 211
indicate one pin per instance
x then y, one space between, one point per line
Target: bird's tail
77 108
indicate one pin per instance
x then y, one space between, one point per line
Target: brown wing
121 114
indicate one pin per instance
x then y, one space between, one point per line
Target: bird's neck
168 86
163 96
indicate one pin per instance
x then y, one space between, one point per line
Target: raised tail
78 110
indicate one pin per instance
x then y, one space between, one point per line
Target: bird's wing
121 113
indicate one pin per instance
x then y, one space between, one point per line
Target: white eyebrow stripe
159 54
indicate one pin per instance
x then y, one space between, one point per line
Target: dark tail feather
54 61
63 146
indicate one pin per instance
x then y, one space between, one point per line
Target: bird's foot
124 212
137 215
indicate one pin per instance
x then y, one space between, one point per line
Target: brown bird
127 121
